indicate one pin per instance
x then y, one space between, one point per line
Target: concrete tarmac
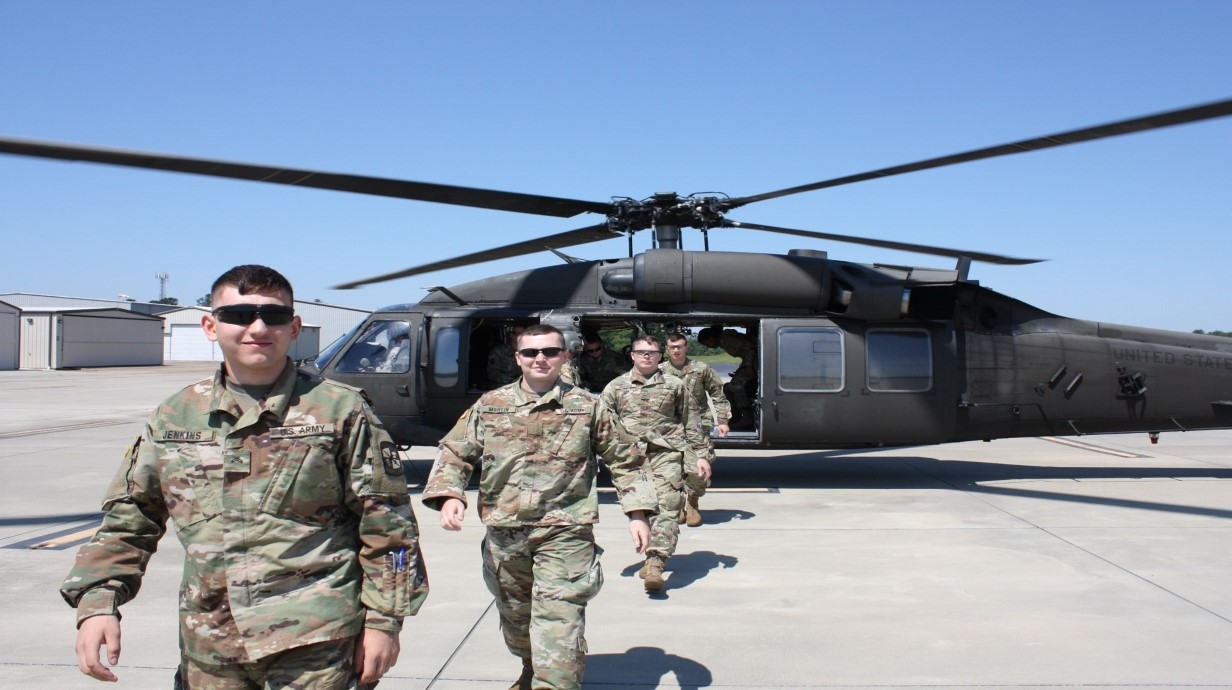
1101 562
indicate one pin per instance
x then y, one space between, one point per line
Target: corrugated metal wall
324 323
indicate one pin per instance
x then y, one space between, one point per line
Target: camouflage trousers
668 471
542 578
320 666
694 485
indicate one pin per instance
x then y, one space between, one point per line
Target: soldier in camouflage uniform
536 441
743 378
706 386
502 366
599 365
301 551
659 411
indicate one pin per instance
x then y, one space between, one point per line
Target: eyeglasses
533 352
244 314
593 350
646 353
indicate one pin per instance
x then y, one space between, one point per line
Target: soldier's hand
376 653
453 512
95 633
639 529
722 429
703 469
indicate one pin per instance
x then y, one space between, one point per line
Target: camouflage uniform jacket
701 380
568 373
597 373
659 411
294 517
502 366
537 455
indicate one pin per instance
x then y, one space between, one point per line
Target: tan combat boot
654 573
692 516
528 674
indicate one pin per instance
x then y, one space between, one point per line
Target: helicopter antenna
564 257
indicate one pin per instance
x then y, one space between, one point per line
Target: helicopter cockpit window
899 361
810 359
384 348
327 355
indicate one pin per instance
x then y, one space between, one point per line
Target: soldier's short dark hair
649 340
674 337
541 329
254 278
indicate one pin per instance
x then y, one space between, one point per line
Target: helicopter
848 355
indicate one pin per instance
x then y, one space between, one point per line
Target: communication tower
162 284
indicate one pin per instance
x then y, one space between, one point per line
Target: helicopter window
446 353
329 352
810 359
384 348
899 361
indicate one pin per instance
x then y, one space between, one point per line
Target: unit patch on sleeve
390 460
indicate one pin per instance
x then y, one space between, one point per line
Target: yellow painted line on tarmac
66 539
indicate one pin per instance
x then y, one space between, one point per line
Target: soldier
706 386
398 356
301 550
743 378
659 411
599 365
537 439
502 367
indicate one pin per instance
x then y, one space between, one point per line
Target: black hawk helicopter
847 355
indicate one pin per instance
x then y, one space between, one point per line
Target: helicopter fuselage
848 355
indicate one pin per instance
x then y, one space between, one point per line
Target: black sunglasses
244 314
533 352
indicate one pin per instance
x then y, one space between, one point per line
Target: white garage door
187 343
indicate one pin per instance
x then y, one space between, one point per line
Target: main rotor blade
904 246
359 184
593 233
1113 129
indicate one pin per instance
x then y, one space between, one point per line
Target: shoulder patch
390 460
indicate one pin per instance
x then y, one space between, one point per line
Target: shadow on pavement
644 667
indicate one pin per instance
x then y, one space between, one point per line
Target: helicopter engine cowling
678 277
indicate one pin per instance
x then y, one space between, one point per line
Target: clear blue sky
590 100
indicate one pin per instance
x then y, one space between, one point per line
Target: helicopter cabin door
853 384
